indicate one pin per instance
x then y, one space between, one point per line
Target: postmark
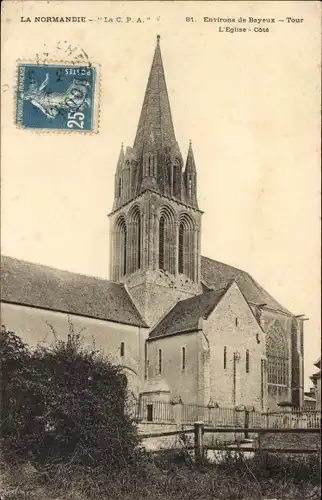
57 97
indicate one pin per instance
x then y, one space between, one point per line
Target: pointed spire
120 161
156 113
190 164
190 177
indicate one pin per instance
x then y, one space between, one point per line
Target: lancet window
167 240
277 359
186 250
135 237
120 249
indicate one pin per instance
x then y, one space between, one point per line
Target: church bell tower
155 222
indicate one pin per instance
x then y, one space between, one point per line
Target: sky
249 102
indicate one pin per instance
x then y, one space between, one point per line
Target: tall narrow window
175 178
139 245
135 239
262 384
124 251
150 166
247 361
160 361
119 188
181 248
161 242
122 349
183 358
225 357
120 248
146 364
190 186
167 240
186 247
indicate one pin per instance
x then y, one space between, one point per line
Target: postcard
161 201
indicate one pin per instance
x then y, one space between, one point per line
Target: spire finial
158 39
190 143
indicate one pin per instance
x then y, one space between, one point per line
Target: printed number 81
75 119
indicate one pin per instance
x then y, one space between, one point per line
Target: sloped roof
185 315
48 288
217 274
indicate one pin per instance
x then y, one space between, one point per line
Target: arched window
160 361
138 250
183 358
161 242
180 256
225 358
167 240
186 251
135 239
124 263
247 361
122 349
277 360
120 248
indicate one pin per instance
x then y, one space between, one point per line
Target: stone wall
35 326
230 329
183 383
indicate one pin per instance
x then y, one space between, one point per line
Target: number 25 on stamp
56 97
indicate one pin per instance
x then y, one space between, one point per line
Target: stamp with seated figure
58 97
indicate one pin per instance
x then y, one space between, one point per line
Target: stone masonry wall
34 326
233 326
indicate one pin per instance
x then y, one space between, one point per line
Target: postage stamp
56 97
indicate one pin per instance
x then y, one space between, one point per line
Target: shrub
64 404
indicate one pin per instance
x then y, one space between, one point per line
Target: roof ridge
134 304
216 272
223 291
260 288
43 287
38 264
224 264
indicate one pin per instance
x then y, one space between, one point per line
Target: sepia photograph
160 250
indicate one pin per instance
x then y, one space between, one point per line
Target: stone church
182 325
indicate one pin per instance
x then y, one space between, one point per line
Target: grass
169 475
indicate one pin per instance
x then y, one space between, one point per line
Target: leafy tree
64 404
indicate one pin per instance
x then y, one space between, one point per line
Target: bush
64 404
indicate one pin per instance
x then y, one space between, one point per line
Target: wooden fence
200 429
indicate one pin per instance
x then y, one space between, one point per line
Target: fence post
246 423
199 450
